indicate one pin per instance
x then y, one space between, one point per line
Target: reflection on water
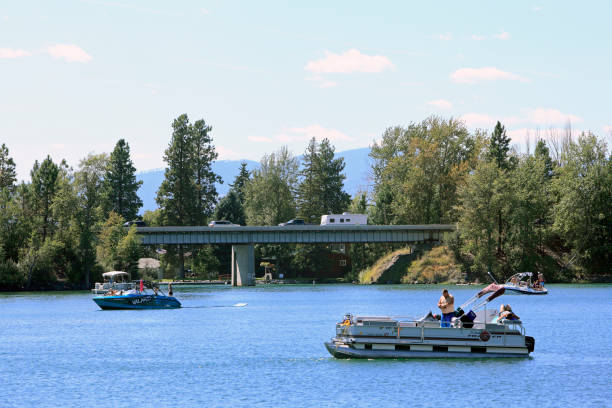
59 349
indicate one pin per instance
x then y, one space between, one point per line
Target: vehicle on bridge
295 221
344 219
222 223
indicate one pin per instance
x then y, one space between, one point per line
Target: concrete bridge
242 239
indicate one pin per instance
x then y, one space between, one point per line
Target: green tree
241 181
499 147
129 251
321 189
270 193
111 234
543 153
582 213
187 194
176 196
89 182
418 169
120 185
203 155
481 199
230 208
44 187
8 176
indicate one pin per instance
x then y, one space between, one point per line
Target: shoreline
75 288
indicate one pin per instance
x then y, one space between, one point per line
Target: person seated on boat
541 280
505 312
447 306
155 290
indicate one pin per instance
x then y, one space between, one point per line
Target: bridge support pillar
243 265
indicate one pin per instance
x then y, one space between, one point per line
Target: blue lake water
59 349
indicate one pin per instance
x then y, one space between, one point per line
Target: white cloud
441 103
13 53
259 139
299 134
322 82
348 62
542 116
68 52
478 37
502 36
473 75
607 129
227 154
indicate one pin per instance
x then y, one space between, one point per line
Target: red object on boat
494 287
141 286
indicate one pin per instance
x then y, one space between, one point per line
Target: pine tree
543 153
230 208
120 185
321 190
188 194
499 147
309 190
203 155
177 196
7 168
44 187
241 181
335 199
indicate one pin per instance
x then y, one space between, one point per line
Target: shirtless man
447 306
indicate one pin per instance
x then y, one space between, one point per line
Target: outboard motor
530 343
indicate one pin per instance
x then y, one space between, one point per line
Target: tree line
548 210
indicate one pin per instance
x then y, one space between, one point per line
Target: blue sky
77 75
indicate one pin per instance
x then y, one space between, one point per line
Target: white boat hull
380 337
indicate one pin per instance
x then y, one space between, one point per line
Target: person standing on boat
447 306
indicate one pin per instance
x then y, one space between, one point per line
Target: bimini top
520 276
114 273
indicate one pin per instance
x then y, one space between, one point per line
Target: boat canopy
114 273
520 276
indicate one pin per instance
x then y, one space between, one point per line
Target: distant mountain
356 170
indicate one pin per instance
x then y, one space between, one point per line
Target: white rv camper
344 219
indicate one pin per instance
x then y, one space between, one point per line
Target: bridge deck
307 234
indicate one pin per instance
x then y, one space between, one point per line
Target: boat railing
399 324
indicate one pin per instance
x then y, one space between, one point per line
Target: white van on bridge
344 219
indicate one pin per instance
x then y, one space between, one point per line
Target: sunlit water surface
60 350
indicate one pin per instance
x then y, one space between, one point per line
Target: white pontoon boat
477 333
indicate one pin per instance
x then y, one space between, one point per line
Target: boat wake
213 306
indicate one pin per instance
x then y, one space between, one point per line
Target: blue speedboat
136 298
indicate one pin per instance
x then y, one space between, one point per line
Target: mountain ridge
357 168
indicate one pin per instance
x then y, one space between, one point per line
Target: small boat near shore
113 280
137 298
520 284
472 335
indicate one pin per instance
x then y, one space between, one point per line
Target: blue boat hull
137 302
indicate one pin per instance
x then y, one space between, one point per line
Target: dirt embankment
422 264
